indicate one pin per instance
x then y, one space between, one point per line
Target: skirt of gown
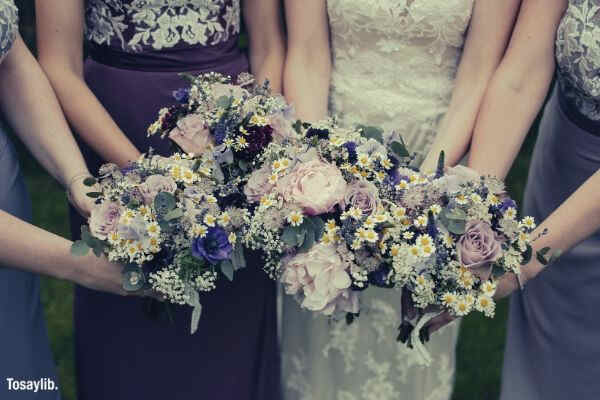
122 352
552 350
24 347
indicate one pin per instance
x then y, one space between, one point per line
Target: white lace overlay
158 24
395 63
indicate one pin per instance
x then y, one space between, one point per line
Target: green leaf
244 165
497 271
217 173
372 132
164 202
98 250
319 227
440 165
309 240
79 248
454 220
237 258
224 101
94 195
290 236
297 126
542 255
173 214
133 278
227 269
399 149
89 181
527 255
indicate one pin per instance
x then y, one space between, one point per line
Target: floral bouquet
160 219
460 234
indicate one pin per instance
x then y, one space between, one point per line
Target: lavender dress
137 50
24 348
553 343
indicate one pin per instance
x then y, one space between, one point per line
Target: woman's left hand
77 192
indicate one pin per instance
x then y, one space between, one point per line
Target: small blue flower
213 247
182 95
351 147
506 204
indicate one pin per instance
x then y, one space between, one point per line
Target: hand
77 193
100 274
440 321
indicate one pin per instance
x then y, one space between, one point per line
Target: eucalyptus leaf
399 149
237 258
94 195
290 236
318 226
133 278
173 214
527 255
164 202
497 271
309 240
224 101
217 173
98 250
79 248
372 132
227 269
89 181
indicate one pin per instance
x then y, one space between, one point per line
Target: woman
419 67
552 350
29 105
137 50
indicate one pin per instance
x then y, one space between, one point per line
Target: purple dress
137 49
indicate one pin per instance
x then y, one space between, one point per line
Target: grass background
481 342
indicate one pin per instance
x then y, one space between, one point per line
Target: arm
25 247
518 88
267 49
308 63
60 51
31 108
489 32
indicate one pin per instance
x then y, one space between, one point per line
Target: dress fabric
394 66
137 51
552 350
24 342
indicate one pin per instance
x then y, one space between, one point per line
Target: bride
420 68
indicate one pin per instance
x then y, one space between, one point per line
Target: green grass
480 346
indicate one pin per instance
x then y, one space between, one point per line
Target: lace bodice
146 25
9 25
578 56
395 62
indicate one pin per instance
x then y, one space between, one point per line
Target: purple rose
104 219
213 247
258 184
155 184
363 195
478 248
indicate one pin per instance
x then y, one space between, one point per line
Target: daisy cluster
161 219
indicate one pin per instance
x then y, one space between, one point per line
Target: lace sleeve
578 56
8 25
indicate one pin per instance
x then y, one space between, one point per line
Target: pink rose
316 186
227 89
478 248
104 219
282 128
155 184
191 134
258 184
320 281
457 176
363 195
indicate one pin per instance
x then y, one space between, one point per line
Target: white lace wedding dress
395 63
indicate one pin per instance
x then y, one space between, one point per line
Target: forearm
266 63
89 117
31 108
26 247
306 82
509 109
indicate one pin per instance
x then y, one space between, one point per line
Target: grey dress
24 348
553 343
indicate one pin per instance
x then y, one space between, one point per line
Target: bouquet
160 218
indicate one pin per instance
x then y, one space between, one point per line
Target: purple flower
320 133
213 247
506 204
182 95
258 138
351 147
